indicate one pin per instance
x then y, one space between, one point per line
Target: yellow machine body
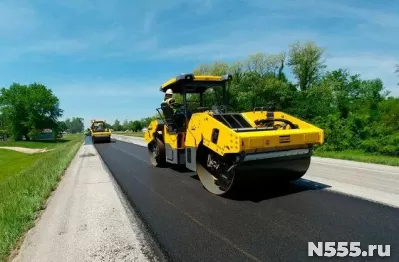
256 144
99 132
201 126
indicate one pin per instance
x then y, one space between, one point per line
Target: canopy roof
194 83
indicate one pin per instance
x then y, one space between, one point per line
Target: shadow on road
182 169
261 192
89 142
178 169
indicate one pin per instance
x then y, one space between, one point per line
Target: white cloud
118 88
149 21
331 9
16 21
56 46
343 50
236 45
131 99
25 30
134 34
102 91
372 16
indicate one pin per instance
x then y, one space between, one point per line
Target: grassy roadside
12 162
346 155
49 144
359 157
136 134
23 192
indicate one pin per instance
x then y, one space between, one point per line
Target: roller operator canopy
194 83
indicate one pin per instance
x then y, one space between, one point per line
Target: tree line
134 126
27 110
72 125
355 113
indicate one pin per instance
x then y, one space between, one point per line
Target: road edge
14 253
157 253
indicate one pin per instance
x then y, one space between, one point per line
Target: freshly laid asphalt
190 224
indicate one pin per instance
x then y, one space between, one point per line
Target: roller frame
103 136
250 144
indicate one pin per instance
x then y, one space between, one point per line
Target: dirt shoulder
85 219
26 150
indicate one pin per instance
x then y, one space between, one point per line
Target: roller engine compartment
238 123
262 132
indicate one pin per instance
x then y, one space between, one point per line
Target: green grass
359 157
137 134
23 192
49 144
12 162
346 155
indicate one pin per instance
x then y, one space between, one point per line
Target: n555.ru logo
343 249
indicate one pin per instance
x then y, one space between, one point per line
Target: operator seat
174 122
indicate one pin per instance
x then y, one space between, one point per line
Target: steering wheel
225 108
201 109
285 121
177 104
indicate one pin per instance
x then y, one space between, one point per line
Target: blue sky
106 59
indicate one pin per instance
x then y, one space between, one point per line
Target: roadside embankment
86 219
26 181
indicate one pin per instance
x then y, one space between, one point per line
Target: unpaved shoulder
26 150
85 220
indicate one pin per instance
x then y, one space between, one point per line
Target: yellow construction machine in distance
229 149
99 132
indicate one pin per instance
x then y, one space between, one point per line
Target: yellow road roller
99 132
228 149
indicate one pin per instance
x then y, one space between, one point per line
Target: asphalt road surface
191 224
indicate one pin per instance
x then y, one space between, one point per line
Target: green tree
306 62
147 120
2 121
62 126
137 126
125 125
75 125
117 125
356 114
107 125
27 109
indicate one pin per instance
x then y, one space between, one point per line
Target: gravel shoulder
25 150
87 219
